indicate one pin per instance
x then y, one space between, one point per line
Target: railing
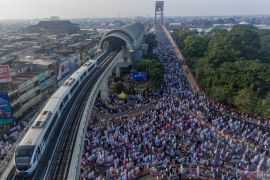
75 164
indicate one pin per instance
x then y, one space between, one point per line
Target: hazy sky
19 9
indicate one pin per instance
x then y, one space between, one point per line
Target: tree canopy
195 46
154 70
232 66
150 39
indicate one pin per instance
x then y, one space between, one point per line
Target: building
33 81
175 25
144 48
54 27
1 30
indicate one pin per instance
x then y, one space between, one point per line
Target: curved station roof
130 33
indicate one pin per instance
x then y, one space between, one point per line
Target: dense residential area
41 56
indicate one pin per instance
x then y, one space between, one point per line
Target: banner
138 76
5 109
5 74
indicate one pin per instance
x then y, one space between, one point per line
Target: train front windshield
23 157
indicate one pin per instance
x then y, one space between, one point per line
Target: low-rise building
33 81
54 27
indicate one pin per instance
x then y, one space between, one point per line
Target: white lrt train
31 148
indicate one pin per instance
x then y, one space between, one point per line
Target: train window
23 155
65 98
73 88
38 150
25 151
50 127
35 157
91 73
61 106
90 69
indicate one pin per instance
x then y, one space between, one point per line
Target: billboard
5 109
138 76
5 74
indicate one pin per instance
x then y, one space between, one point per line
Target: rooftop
24 70
55 25
17 80
18 64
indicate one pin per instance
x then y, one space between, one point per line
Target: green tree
245 73
130 87
265 45
232 66
221 93
154 70
246 100
265 106
119 87
245 40
182 35
150 39
195 46
220 49
241 42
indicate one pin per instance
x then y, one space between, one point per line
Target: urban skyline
30 9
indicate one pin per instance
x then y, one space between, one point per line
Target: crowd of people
10 136
116 105
13 131
184 135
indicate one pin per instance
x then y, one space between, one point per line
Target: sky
30 9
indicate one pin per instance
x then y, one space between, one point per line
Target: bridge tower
159 11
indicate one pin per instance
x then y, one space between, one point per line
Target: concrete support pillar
126 56
117 71
104 91
111 73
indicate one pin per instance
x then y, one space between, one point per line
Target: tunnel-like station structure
127 37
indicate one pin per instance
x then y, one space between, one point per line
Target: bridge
118 48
